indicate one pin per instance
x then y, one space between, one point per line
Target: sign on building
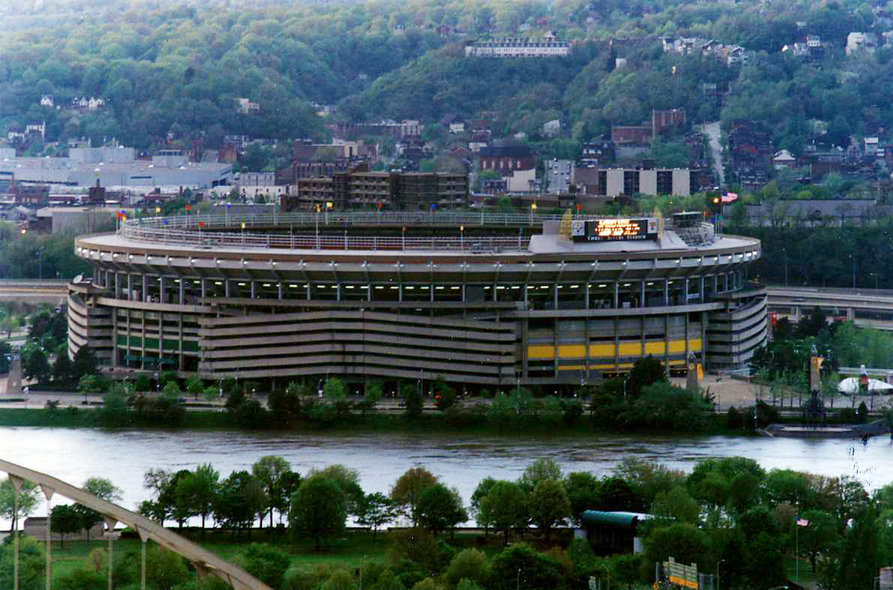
610 230
681 574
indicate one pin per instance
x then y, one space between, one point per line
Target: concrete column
182 291
666 292
586 296
202 281
555 296
431 289
685 299
129 287
667 342
616 296
161 287
16 487
279 287
143 565
642 293
715 283
48 494
145 286
702 289
338 292
117 286
253 289
726 278
526 302
400 292
226 288
616 343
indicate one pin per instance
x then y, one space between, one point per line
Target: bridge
203 560
866 307
53 291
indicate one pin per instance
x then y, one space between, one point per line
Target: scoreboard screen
611 230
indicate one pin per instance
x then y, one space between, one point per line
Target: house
505 159
750 154
246 106
457 127
46 101
858 40
599 153
784 159
552 128
514 47
871 146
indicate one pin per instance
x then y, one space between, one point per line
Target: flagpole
797 550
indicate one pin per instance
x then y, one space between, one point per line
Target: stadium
479 299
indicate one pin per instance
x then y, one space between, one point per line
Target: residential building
750 152
408 128
613 182
247 107
858 40
784 159
514 47
361 187
505 159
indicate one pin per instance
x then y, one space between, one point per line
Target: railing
305 241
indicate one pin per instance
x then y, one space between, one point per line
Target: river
459 460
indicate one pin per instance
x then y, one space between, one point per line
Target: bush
734 419
265 562
468 564
413 399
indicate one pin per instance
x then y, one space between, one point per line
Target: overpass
51 291
866 307
203 560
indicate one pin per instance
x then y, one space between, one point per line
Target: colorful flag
802 522
729 198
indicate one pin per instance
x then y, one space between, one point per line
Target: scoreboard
614 230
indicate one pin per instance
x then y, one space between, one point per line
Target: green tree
375 511
583 492
271 471
84 363
103 489
521 566
646 371
468 564
36 366
684 542
265 562
195 386
197 492
62 369
440 508
318 509
819 536
65 520
413 399
237 502
407 490
541 469
677 505
505 507
548 505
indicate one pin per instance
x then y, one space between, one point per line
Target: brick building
358 188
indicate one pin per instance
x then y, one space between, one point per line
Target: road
712 131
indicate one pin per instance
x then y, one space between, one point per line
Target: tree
31 556
318 509
65 520
285 404
414 401
62 369
236 504
440 508
818 536
505 507
347 479
684 542
197 491
542 468
103 489
468 564
194 386
84 363
548 505
645 371
583 492
27 501
408 488
676 505
520 566
36 366
264 562
270 471
375 511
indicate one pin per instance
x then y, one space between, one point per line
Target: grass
350 549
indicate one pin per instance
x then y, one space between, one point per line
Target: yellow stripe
540 352
601 350
572 368
571 351
631 349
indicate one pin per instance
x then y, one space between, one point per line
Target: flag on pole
802 522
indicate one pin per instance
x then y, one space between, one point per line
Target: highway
866 307
33 291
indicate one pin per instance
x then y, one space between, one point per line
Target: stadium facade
475 298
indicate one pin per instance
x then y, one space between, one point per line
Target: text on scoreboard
608 230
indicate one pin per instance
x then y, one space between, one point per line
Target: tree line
728 515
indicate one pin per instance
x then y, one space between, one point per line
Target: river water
459 460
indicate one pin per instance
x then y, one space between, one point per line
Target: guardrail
210 240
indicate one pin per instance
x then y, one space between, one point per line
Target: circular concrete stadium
475 298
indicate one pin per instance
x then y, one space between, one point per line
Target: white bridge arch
203 560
